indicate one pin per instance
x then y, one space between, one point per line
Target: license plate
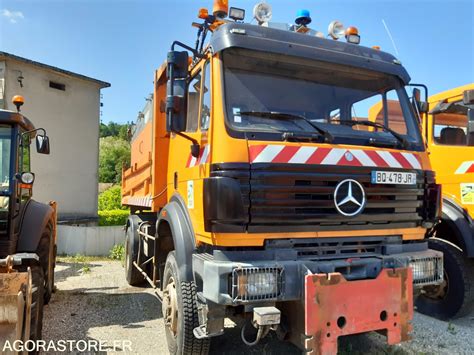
393 177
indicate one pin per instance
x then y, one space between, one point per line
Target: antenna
391 38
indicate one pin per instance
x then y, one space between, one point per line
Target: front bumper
221 284
335 307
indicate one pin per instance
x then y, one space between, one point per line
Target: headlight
427 270
253 283
27 178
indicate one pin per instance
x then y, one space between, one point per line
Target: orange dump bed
144 183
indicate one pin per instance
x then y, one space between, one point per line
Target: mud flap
15 306
335 307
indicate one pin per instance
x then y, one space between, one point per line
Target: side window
396 120
450 126
194 92
25 165
206 100
25 159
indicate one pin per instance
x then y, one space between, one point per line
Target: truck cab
257 187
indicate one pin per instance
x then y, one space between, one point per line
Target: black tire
184 341
457 298
132 275
43 251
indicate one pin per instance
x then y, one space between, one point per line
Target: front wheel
180 313
37 301
46 252
455 296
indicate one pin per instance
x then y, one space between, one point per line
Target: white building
67 106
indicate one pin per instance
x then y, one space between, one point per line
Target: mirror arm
34 131
192 50
195 147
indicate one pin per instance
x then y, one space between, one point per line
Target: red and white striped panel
201 159
332 156
465 167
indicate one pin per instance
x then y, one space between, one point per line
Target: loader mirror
176 105
468 97
42 144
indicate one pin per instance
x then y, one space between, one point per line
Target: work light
236 14
336 30
352 35
262 12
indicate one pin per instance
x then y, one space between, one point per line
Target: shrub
117 252
113 218
111 199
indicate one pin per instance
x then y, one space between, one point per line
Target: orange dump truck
259 191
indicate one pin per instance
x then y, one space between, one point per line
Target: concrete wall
91 241
69 174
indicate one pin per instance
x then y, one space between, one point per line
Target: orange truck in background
448 130
259 190
449 134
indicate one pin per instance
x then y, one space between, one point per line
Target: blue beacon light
303 18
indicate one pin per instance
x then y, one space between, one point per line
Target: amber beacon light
18 101
220 8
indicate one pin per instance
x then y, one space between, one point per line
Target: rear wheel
180 314
133 276
455 296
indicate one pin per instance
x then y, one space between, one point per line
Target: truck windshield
5 152
330 96
451 124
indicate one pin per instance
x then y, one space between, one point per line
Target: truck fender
176 215
463 222
35 218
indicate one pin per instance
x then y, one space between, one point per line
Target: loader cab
16 135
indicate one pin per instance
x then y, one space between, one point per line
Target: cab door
186 172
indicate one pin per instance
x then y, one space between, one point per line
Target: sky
123 41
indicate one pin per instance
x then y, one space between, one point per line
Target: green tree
113 154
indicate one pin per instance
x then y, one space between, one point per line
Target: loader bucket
15 306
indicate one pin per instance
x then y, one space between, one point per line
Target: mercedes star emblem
349 198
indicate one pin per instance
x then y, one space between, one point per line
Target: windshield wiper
397 135
284 116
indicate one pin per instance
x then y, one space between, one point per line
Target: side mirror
176 105
468 97
422 106
176 96
42 144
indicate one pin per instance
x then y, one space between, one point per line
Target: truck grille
294 197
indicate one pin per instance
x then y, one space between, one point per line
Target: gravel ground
94 302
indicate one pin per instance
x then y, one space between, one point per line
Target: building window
57 86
